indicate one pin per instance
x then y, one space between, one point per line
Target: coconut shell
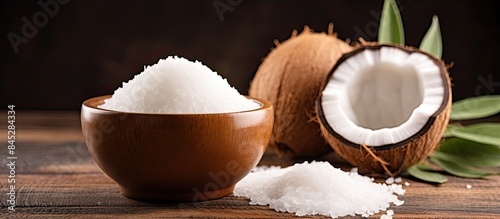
397 157
291 77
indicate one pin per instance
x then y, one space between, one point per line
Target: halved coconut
384 108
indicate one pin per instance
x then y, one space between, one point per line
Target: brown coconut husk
291 77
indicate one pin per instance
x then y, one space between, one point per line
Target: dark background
89 48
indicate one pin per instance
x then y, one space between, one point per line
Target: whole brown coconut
384 108
291 77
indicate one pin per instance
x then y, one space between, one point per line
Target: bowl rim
90 104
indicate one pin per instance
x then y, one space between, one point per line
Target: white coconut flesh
382 96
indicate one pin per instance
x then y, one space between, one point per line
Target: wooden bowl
176 157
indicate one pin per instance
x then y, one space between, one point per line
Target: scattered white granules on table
317 188
388 215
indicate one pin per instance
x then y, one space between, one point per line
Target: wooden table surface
56 177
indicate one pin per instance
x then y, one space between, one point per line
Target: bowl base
176 197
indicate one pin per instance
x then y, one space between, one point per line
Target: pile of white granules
178 86
318 188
